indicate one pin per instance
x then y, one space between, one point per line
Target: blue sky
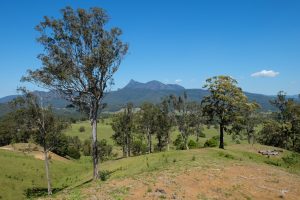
174 41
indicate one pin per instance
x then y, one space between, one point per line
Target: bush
87 148
290 159
104 175
104 150
212 142
73 152
81 129
192 144
202 134
178 143
138 147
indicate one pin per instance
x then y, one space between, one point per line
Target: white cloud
177 81
265 73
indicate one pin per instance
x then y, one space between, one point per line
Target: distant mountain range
137 93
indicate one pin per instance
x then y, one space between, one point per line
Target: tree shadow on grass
39 192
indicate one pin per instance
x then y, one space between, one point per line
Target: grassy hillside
20 172
140 177
155 176
104 130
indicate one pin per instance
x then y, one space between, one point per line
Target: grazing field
104 130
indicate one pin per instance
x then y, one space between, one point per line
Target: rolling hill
137 93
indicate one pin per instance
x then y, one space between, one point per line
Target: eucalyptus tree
246 122
182 114
196 111
146 120
79 60
224 102
41 123
123 126
164 125
288 117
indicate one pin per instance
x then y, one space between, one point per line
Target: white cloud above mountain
177 81
265 73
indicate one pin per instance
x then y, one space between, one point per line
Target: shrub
226 155
86 148
202 134
138 147
270 162
73 152
290 159
178 143
81 129
212 142
104 175
192 144
72 120
104 150
193 158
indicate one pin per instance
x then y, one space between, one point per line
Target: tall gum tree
41 123
224 103
79 60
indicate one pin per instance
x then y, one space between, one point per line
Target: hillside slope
239 172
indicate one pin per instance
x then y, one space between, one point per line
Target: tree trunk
150 143
221 137
95 149
124 150
47 172
168 143
127 145
186 144
249 138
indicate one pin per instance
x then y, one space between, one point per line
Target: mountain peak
152 85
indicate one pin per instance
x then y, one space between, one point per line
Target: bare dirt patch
217 182
33 150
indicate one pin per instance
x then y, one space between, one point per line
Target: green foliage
193 158
212 142
123 125
291 159
104 175
178 143
272 162
202 134
105 150
87 148
81 129
164 124
192 144
73 152
138 147
147 122
284 130
36 192
224 103
226 155
187 115
272 134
